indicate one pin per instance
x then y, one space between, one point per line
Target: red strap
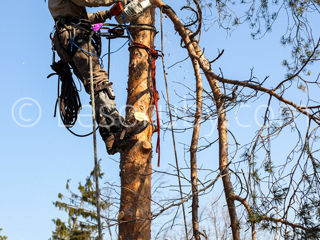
154 54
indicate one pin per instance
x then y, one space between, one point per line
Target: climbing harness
68 99
154 54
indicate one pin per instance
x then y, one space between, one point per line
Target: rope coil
68 97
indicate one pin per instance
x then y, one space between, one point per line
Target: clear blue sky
35 162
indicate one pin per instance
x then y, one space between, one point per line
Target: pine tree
80 207
2 237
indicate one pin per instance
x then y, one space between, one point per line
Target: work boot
114 130
130 128
107 115
111 123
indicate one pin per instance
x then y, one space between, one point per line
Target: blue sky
35 162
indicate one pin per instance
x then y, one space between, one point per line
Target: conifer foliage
80 207
2 237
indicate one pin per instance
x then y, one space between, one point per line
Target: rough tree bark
135 206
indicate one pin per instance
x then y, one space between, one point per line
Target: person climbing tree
75 40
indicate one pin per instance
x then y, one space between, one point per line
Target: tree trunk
135 206
193 151
223 144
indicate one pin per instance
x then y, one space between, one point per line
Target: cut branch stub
135 166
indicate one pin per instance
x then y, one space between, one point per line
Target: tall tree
135 166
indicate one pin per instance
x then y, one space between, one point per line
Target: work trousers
107 115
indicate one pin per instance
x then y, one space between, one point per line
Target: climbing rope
126 27
68 98
73 44
96 170
112 52
172 129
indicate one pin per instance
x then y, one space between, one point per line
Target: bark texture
193 152
135 206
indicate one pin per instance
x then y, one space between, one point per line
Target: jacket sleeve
94 3
98 17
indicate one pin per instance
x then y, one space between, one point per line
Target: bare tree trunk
193 151
135 206
223 144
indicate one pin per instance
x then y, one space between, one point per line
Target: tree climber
71 40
